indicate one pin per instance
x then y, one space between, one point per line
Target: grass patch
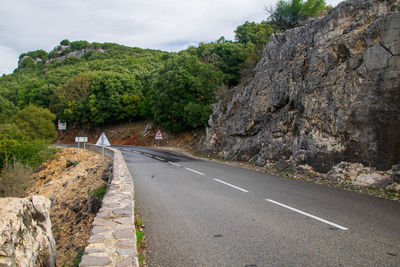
139 237
138 222
140 241
78 258
100 191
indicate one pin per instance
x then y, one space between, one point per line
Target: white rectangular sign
62 125
81 139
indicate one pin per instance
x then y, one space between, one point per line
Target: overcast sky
171 25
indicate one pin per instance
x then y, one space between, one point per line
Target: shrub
14 180
100 191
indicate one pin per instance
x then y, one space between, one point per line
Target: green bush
292 13
36 123
100 191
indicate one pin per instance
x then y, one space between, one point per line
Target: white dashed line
174 163
309 215
194 171
231 185
147 155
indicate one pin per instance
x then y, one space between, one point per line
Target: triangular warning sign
103 141
159 135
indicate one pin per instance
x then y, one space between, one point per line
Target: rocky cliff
25 232
322 93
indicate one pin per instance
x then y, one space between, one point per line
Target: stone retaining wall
113 238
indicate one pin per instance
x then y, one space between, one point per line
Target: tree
254 36
36 123
184 79
225 56
106 103
65 42
196 115
293 13
7 110
70 102
252 32
131 106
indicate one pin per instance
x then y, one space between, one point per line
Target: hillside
94 84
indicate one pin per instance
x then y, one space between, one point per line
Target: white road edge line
194 171
174 163
309 215
147 155
160 158
231 185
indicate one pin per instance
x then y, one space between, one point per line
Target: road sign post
62 126
103 142
81 140
158 137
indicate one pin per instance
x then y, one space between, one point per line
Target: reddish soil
133 134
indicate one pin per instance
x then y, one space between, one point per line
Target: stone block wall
113 238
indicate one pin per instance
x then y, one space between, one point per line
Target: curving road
201 213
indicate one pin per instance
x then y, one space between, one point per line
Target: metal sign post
102 149
62 126
103 142
81 140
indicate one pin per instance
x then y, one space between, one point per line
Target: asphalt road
201 213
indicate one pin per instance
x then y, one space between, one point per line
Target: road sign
81 139
62 125
159 135
103 141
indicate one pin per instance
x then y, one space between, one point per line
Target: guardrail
113 238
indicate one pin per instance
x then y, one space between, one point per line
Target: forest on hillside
94 84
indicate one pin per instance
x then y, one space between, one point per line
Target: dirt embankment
72 181
140 133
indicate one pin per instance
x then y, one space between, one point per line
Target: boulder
396 173
25 232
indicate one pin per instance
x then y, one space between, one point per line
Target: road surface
202 213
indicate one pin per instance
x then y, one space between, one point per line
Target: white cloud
8 60
172 25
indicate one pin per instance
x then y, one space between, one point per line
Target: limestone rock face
323 93
25 232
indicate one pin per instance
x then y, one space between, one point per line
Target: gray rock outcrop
323 93
25 232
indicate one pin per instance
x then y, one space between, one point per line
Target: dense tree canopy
26 136
183 82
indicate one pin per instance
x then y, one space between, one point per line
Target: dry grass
15 179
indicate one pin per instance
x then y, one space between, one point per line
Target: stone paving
113 238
